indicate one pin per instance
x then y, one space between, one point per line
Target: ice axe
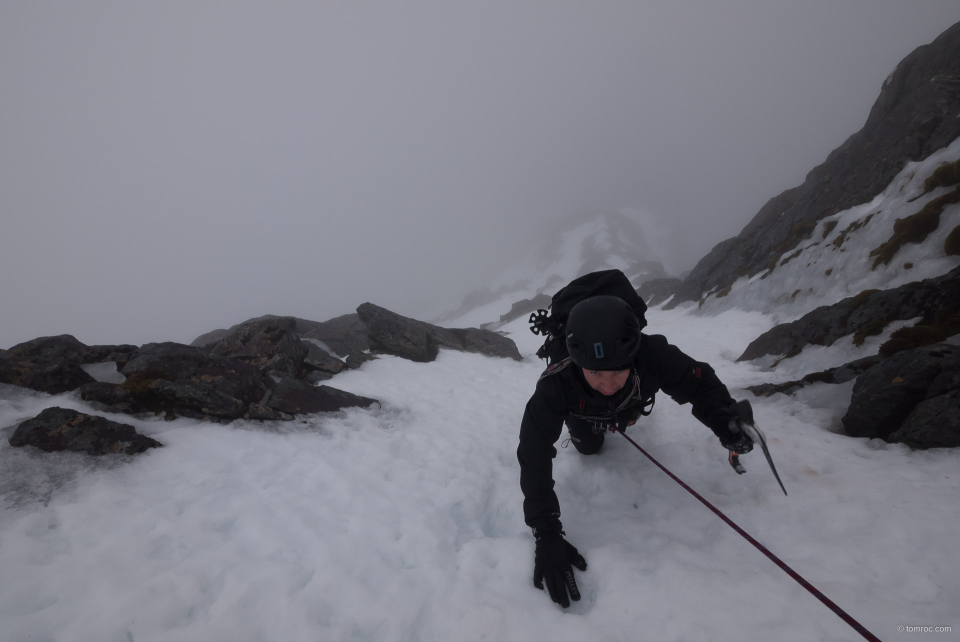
745 412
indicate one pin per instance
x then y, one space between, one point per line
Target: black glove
552 563
736 439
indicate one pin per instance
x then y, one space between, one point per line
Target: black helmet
603 333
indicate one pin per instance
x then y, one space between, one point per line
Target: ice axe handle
734 460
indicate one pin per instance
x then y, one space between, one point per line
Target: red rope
859 628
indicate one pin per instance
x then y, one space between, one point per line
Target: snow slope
627 241
405 523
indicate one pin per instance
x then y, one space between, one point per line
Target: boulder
210 339
356 359
180 379
197 398
52 364
65 348
398 335
316 376
344 334
477 340
886 395
418 341
272 345
840 374
62 429
111 397
319 359
934 423
46 376
297 397
256 411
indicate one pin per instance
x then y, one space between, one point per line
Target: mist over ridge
172 169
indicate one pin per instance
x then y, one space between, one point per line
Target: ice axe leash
843 615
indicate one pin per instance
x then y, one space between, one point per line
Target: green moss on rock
945 323
943 176
951 246
871 329
853 227
913 229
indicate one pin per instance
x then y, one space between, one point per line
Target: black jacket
564 393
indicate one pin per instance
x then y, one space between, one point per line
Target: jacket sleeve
539 431
689 381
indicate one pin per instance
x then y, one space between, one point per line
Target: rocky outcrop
297 397
357 359
345 334
46 376
183 380
840 374
914 116
209 339
418 341
272 345
62 429
52 364
656 291
936 300
913 397
66 348
110 397
320 360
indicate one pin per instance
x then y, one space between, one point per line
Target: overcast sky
167 168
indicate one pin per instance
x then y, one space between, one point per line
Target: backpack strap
554 368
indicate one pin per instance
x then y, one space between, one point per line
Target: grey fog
170 168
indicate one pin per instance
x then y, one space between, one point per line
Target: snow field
405 522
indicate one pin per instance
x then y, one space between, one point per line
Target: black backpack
552 325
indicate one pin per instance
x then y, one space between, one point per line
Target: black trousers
585 438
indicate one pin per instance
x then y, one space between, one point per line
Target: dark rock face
345 335
418 341
196 398
46 376
319 359
52 364
934 423
479 341
840 374
863 315
656 291
184 380
65 348
110 396
316 376
357 359
62 429
272 345
297 397
210 339
914 116
888 400
397 335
